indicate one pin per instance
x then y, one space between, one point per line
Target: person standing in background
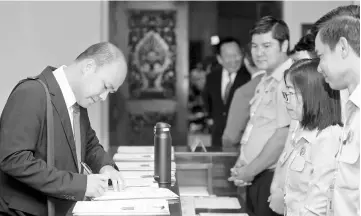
238 115
221 85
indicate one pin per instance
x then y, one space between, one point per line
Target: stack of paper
140 165
121 207
217 203
223 214
138 149
140 182
135 157
127 174
138 193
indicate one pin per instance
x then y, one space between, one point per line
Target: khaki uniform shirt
310 170
346 200
270 113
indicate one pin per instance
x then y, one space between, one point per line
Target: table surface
175 205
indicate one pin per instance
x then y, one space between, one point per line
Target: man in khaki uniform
338 46
264 137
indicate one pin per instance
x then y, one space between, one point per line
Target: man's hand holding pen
115 177
97 184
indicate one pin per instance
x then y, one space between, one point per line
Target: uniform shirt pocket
350 153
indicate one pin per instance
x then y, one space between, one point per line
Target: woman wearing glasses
310 159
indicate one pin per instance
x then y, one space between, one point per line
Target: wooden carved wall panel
152 54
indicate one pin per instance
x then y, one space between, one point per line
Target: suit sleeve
19 132
95 155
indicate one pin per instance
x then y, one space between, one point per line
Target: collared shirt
258 73
310 171
347 182
280 172
269 110
66 90
225 79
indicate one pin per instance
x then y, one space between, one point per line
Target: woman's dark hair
321 104
306 43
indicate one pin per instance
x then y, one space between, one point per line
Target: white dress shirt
66 90
225 80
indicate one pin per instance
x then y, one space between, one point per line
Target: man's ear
284 46
343 47
88 67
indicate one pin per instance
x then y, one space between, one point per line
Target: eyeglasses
287 95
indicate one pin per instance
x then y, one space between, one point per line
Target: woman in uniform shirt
310 160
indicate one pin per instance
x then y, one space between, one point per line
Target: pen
86 168
89 171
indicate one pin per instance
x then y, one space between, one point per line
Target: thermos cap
161 126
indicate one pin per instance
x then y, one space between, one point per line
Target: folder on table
138 193
135 157
121 207
138 149
130 174
145 165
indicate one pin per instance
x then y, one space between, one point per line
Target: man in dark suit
26 181
221 84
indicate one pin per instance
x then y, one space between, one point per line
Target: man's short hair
348 10
306 43
226 40
343 26
279 28
102 53
321 104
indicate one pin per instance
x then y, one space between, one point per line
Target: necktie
77 138
228 88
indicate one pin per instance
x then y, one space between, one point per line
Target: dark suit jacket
217 109
25 178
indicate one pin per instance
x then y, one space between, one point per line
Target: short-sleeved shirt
311 166
347 182
269 115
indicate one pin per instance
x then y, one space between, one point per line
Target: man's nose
103 96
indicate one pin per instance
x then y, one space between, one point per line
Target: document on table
139 165
217 202
135 157
193 191
141 182
138 149
138 193
142 174
223 214
187 205
121 207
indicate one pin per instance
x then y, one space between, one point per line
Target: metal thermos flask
162 153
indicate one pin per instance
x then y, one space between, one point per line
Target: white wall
37 34
296 13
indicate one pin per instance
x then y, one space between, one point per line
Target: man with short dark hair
26 180
221 84
266 132
338 46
